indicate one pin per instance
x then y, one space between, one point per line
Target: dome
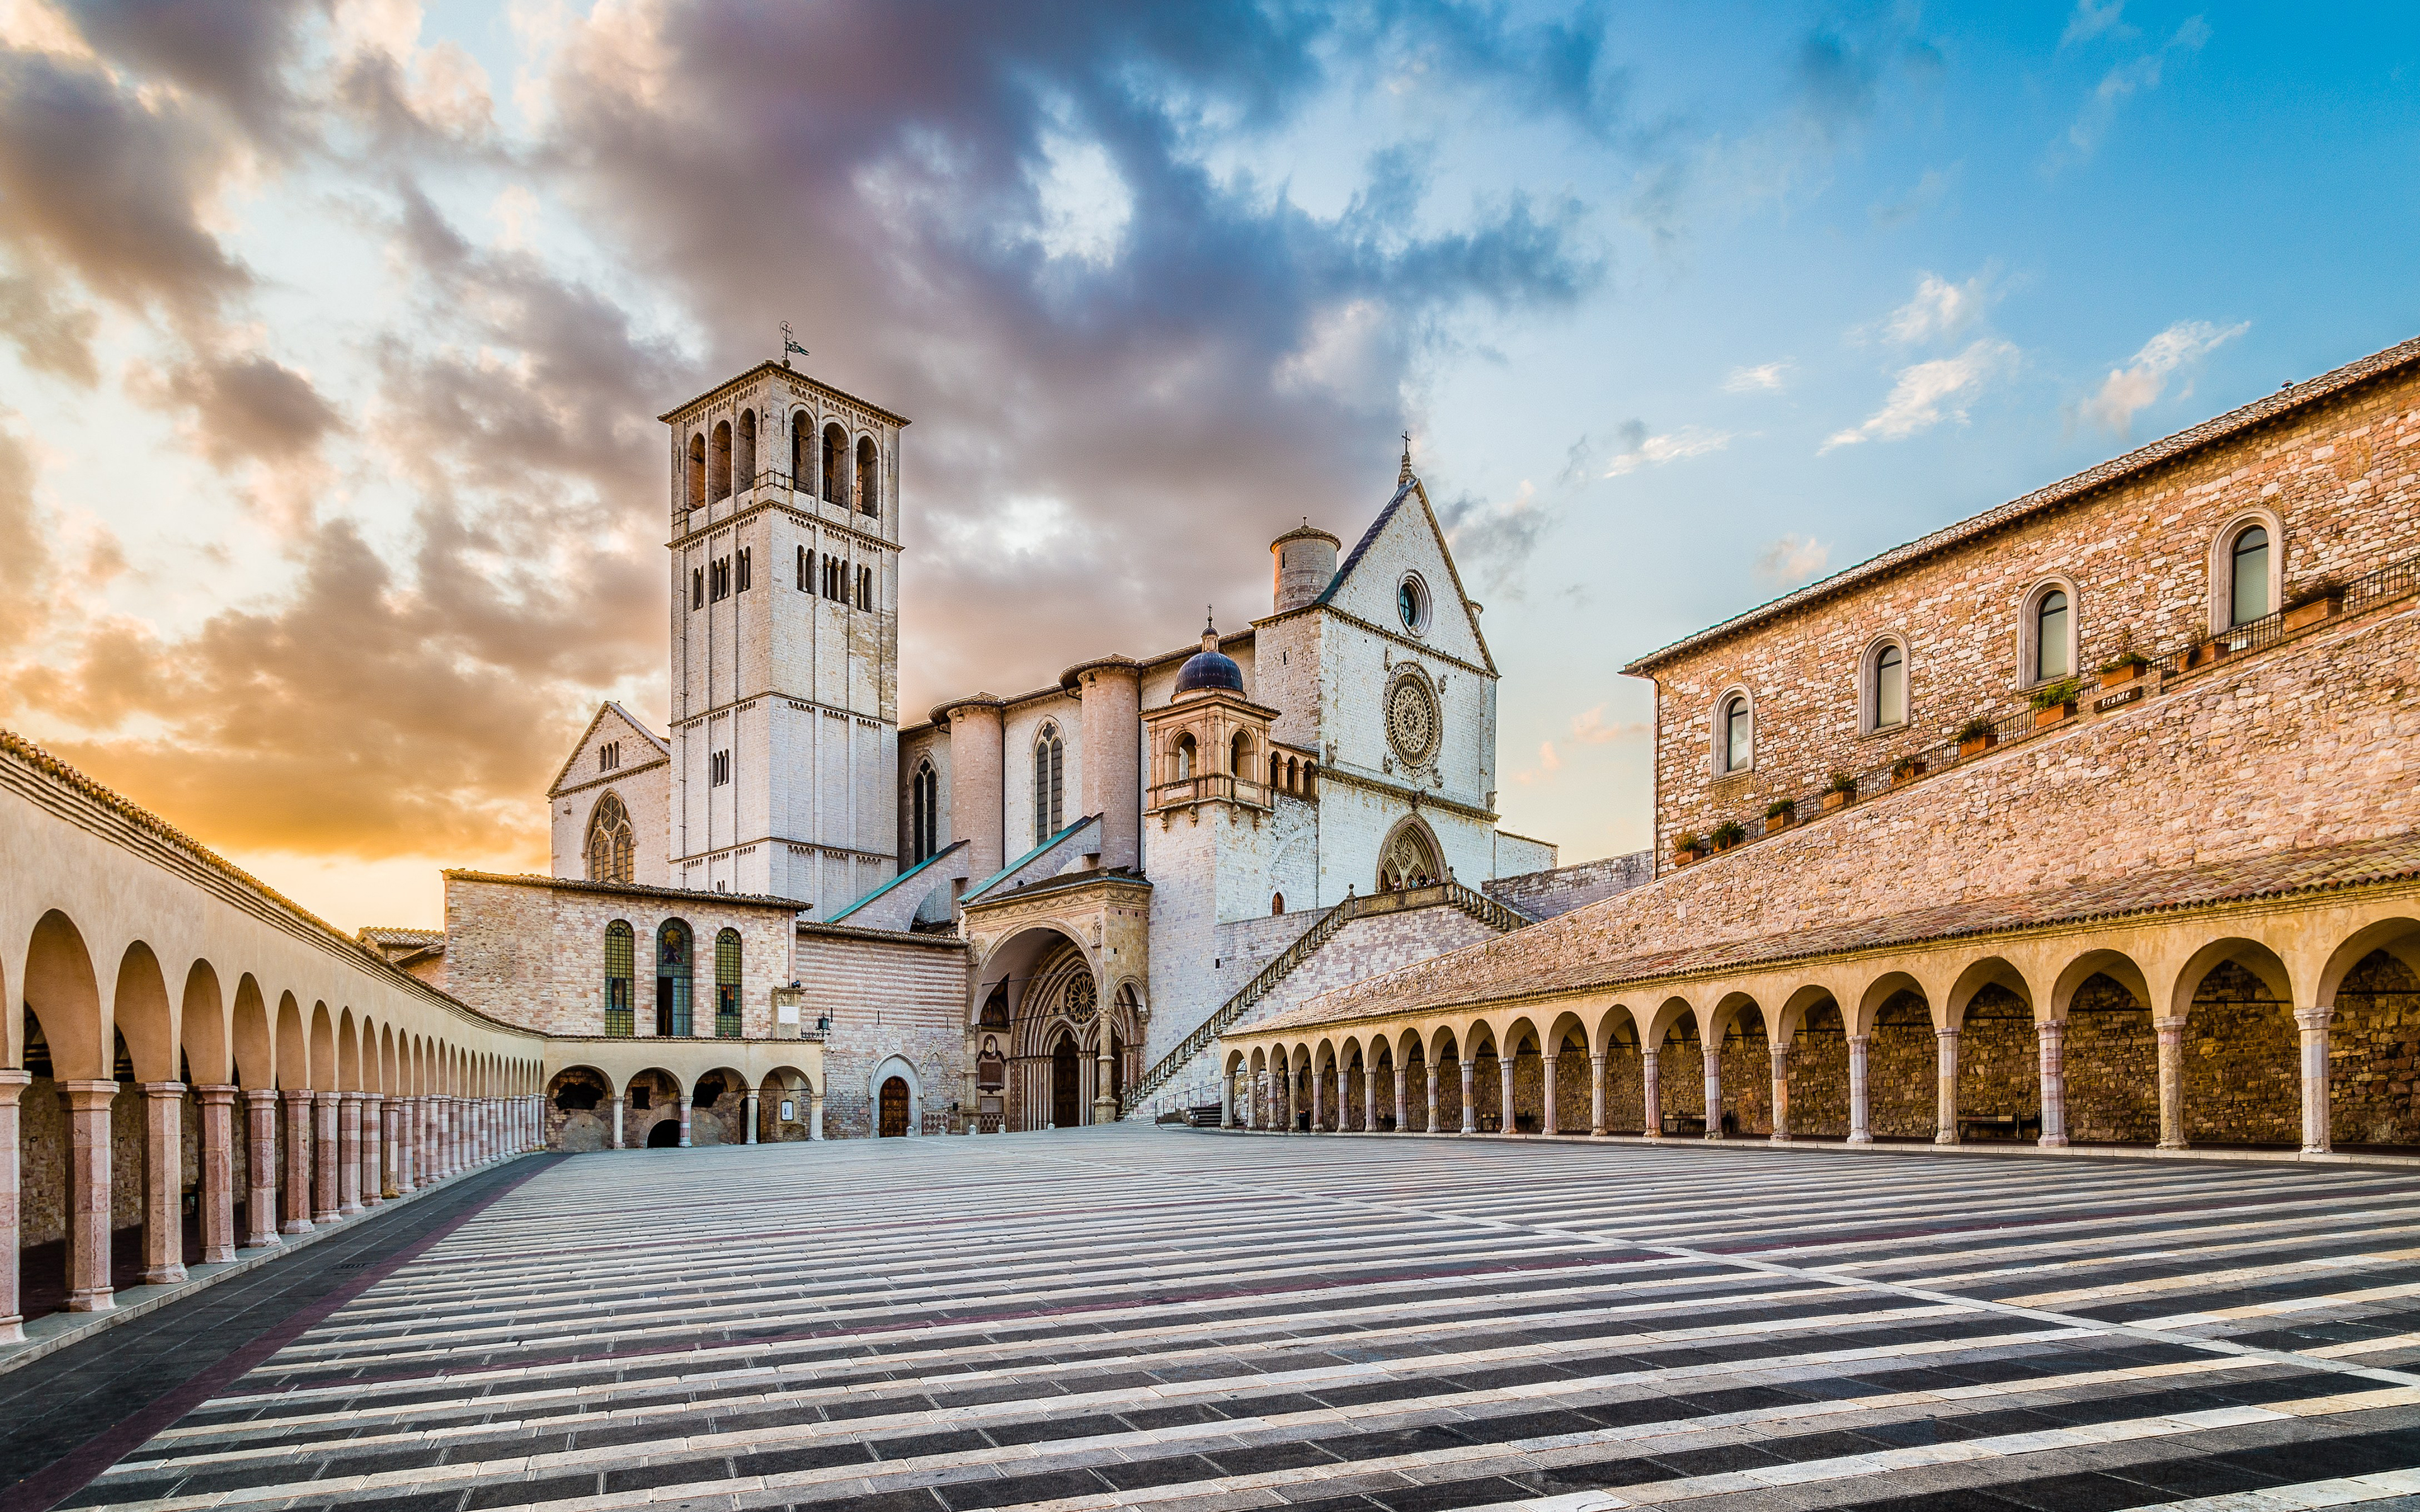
1208 671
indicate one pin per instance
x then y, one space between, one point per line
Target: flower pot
2118 676
1969 750
2203 655
2053 715
1683 857
2312 612
1776 824
1902 775
1835 800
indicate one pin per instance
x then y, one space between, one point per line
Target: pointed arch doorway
1066 1085
894 1105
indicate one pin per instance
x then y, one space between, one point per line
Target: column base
327 1215
12 1330
101 1299
295 1225
217 1255
268 1241
1779 1137
2317 1149
2170 1144
351 1207
162 1275
2052 1142
1945 1137
1861 1139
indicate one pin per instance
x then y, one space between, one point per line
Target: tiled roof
2117 469
378 936
1527 964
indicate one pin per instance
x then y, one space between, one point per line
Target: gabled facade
607 812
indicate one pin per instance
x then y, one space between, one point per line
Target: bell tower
784 678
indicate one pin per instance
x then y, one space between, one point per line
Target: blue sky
330 497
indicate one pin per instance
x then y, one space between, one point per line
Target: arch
2241 1055
1184 760
1050 782
202 1026
2111 1049
802 455
924 811
2053 608
390 1067
836 449
718 463
1277 905
718 1107
651 1098
1733 746
910 1111
785 1106
1884 699
869 477
323 1049
2246 585
1239 755
744 463
676 963
727 984
348 1052
251 1037
1411 858
293 1046
1277 772
64 996
611 846
694 496
621 977
140 1012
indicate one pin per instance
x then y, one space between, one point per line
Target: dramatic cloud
243 408
1768 377
1926 393
1791 560
2130 388
25 551
1641 450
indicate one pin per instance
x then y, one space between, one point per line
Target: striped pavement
1125 1315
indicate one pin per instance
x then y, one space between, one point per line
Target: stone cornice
731 385
762 505
1417 797
608 778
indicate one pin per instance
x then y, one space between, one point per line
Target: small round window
1412 603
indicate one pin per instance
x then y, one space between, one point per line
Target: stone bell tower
784 546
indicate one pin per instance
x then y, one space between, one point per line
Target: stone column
411 1164
1944 1087
215 1108
1596 1094
1504 1123
1651 1080
613 1122
12 1223
752 1105
1402 1098
1547 1123
1712 1051
88 1189
2051 1034
391 1183
683 1122
1469 1094
1344 1100
449 1120
349 1153
1227 1101
1369 1097
261 1165
1429 1082
1105 1105
2172 1082
1318 1101
1861 1127
816 1116
1780 1093
327 1151
372 1139
163 1183
2313 1023
297 1193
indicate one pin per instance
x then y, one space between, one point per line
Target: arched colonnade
2290 1024
630 1094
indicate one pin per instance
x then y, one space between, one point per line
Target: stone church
1021 911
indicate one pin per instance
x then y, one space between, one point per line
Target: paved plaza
1116 1317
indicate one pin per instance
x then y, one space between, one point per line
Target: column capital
13 1082
297 1097
215 1092
2175 1025
2050 1027
162 1089
2314 1017
85 1089
1944 1032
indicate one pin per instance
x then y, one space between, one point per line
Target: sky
332 331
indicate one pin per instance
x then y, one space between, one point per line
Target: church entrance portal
1067 1094
895 1108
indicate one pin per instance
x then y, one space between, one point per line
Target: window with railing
727 984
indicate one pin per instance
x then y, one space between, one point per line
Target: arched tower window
924 811
718 463
2054 636
835 453
802 450
1408 861
869 477
747 460
1181 760
1886 685
697 494
726 985
674 963
1277 771
611 847
1734 734
2248 577
621 963
1239 756
1050 772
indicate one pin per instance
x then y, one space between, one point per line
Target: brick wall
885 1000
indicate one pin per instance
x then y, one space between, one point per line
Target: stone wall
1553 894
903 999
2374 1054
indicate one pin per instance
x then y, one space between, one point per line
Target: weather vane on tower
790 345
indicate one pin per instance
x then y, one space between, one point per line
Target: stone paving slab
1127 1316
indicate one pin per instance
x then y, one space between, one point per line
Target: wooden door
895 1108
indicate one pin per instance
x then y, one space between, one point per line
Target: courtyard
1124 1316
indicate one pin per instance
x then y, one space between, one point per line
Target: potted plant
1905 770
1729 833
1843 788
1689 849
2319 599
2123 668
1780 814
2053 701
1976 736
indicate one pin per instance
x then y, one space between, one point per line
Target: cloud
1940 311
248 407
2136 76
2091 19
1925 393
1494 542
2129 389
1589 728
1791 559
1768 377
1549 760
51 330
1641 449
25 549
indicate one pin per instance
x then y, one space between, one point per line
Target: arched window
1887 703
696 496
869 477
803 567
836 449
802 450
2248 597
1408 861
1734 734
1277 904
697 588
1412 603
1239 755
2054 627
611 847
1049 768
718 463
674 963
726 985
747 461
924 811
1277 771
1184 760
1294 775
621 964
